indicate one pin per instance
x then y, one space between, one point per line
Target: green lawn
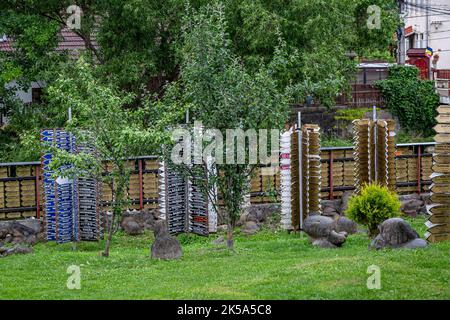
269 265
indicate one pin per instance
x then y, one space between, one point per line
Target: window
36 95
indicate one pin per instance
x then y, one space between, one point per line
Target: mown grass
268 265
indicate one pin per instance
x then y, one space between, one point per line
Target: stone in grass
322 231
17 249
220 240
397 233
131 227
165 246
250 227
347 225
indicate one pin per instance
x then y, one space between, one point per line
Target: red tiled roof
5 46
69 41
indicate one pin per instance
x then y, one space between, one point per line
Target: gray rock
408 197
329 211
131 226
222 227
17 249
317 226
259 213
412 206
250 227
414 244
165 246
33 224
426 198
21 231
423 211
263 212
335 203
220 240
322 231
4 230
396 233
242 219
145 218
344 204
347 225
322 243
337 238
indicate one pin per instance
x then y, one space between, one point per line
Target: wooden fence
21 186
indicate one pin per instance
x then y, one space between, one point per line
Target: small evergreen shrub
372 206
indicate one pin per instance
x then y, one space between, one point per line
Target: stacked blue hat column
60 193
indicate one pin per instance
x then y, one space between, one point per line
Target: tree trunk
118 194
373 232
108 240
230 242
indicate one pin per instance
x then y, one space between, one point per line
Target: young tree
223 95
116 133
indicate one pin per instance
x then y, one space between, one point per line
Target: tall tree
222 94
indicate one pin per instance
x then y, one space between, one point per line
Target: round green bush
372 206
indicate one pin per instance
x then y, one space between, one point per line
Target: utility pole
401 34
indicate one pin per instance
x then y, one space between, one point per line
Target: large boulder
21 231
397 233
165 246
322 231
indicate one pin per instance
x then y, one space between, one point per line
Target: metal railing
418 153
337 162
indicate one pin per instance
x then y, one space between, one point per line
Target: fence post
419 170
38 194
330 175
141 187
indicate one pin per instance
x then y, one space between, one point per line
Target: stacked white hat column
285 183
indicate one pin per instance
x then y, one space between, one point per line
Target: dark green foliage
412 100
374 205
140 40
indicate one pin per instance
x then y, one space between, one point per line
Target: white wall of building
430 20
25 96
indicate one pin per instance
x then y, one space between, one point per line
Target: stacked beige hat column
439 222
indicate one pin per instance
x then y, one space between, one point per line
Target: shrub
374 205
351 114
412 100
